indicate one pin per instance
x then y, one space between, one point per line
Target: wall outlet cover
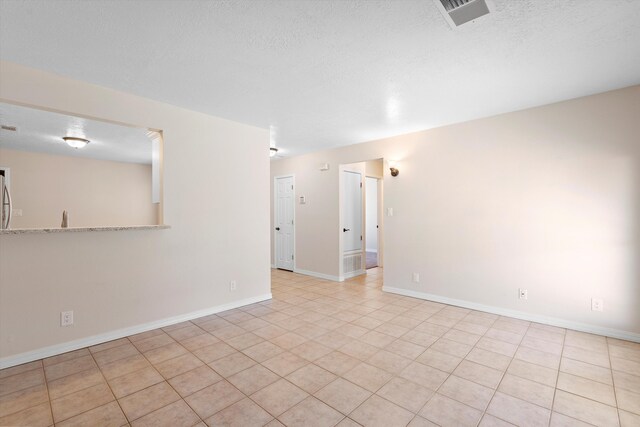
66 318
523 293
597 304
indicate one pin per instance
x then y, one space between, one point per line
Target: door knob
344 230
277 228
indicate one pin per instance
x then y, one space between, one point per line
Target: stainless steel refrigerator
5 204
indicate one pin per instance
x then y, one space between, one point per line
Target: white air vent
458 12
351 263
9 128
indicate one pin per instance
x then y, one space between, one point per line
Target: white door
351 211
284 226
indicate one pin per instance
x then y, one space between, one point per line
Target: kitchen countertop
82 229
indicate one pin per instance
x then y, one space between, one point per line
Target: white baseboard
352 274
546 320
18 359
315 274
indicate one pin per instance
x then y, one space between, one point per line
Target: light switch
303 200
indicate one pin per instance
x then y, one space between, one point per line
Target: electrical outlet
416 277
597 304
66 318
232 285
523 293
389 211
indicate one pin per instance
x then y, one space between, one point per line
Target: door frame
275 216
379 214
341 276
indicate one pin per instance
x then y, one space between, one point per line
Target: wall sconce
393 167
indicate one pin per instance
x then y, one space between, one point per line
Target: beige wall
93 192
546 199
117 280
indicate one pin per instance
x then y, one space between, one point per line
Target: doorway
351 220
284 227
372 232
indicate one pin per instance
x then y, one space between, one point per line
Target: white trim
318 275
546 320
353 274
275 217
56 349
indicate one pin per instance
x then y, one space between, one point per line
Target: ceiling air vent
458 12
11 128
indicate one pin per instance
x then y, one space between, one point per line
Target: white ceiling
330 73
42 131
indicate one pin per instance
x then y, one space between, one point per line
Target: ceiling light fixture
272 151
75 142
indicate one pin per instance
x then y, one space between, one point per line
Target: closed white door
351 211
284 226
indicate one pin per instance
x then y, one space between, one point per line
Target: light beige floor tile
542 345
471 394
500 335
489 358
148 400
311 412
285 363
19 369
135 381
279 397
551 336
438 360
343 395
368 376
214 352
586 370
405 349
418 421
584 409
288 340
243 341
199 341
624 352
232 364
491 421
530 371
333 339
627 419
347 422
625 365
561 420
462 337
169 351
23 399
34 416
626 381
116 353
214 398
65 357
124 366
359 350
594 358
377 411
175 414
144 335
311 378
537 357
377 339
432 329
178 365
152 342
74 382
195 380
628 401
337 362
420 338
424 375
109 415
80 401
108 345
311 350
599 392
186 332
405 393
228 332
517 411
448 412
480 374
496 346
530 391
253 379
453 348
244 413
59 370
388 361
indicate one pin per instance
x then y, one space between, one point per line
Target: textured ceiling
42 131
330 73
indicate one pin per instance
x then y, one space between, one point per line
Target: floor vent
351 263
458 12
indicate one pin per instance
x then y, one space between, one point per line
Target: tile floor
325 354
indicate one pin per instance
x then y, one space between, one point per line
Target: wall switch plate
66 318
303 200
416 277
232 285
523 293
389 211
597 304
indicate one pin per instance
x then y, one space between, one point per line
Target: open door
352 221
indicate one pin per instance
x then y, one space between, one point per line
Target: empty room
319 213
